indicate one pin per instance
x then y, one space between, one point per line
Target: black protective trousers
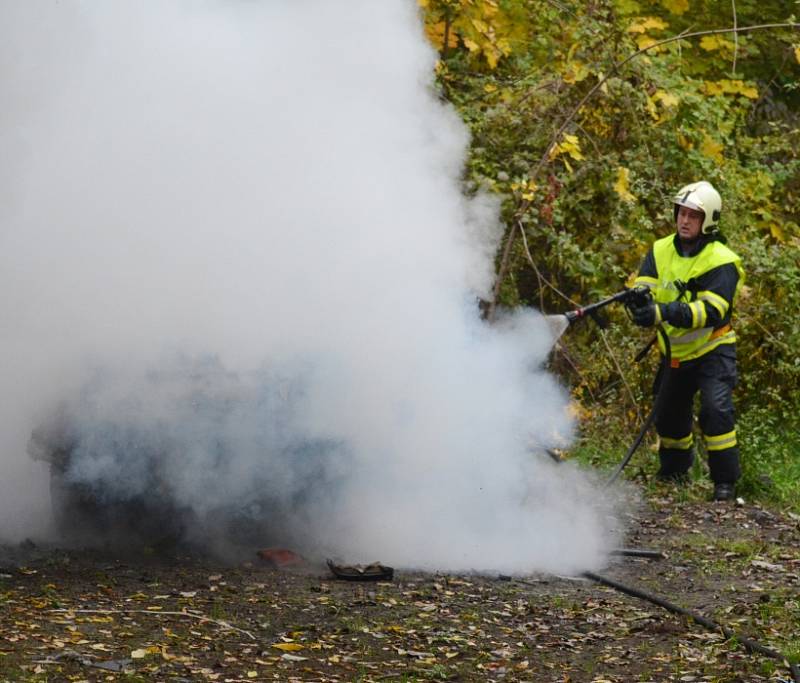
714 376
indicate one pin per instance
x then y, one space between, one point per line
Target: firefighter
694 278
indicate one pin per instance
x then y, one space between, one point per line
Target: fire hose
632 297
747 643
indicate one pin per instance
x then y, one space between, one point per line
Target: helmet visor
689 204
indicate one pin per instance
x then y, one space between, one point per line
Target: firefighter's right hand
645 314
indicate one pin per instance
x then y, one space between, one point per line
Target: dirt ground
78 615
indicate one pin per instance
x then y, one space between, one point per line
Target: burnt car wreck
195 455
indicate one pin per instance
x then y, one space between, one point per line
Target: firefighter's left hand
645 315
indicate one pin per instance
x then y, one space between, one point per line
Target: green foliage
592 197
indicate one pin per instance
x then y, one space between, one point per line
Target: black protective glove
645 314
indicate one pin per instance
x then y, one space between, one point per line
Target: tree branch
735 38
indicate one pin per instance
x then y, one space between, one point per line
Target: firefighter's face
690 221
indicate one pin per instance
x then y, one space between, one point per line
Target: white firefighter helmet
703 197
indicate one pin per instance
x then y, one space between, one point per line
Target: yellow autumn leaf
716 42
288 647
435 33
570 146
529 190
797 53
424 3
471 45
666 98
645 42
731 87
621 187
712 149
576 72
102 647
685 142
651 107
644 24
777 232
481 26
749 91
675 6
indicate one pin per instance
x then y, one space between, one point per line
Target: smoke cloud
240 277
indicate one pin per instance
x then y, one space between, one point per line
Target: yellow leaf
423 3
731 87
529 191
645 42
489 88
797 54
102 647
621 187
712 149
777 232
571 146
666 98
481 26
471 45
651 107
604 87
504 45
576 72
685 142
252 674
435 33
644 24
749 91
676 6
715 42
288 647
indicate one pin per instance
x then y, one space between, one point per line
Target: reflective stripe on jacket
666 269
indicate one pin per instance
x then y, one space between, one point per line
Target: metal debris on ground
359 572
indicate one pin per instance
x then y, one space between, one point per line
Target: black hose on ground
666 364
748 644
639 552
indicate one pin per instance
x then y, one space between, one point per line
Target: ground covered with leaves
80 615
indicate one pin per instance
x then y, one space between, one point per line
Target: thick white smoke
232 240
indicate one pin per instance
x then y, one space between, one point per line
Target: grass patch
770 458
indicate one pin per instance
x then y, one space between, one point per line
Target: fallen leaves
288 647
264 625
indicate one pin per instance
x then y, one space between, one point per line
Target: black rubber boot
724 491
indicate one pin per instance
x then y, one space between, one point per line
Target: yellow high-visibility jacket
694 294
